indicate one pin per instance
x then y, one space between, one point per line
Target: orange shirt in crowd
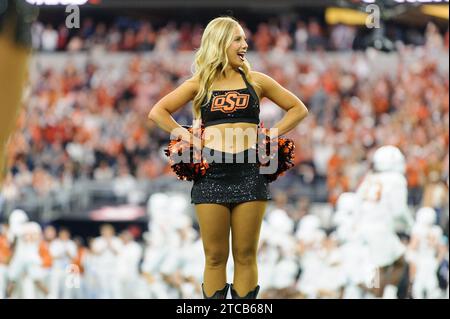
104 99
335 163
329 82
44 252
380 104
5 250
415 173
78 260
337 183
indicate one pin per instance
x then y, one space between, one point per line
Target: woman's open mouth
241 56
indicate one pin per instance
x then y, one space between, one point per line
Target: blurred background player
426 251
354 257
382 198
106 249
128 261
63 251
5 255
311 242
26 272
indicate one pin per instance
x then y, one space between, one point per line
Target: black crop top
231 106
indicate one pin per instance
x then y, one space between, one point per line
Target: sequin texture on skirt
231 182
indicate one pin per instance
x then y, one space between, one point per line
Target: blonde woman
231 196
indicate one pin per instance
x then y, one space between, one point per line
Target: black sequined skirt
235 178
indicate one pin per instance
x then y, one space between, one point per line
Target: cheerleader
231 192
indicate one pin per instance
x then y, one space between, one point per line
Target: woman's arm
296 111
15 53
162 110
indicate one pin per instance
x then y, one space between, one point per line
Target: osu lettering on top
229 102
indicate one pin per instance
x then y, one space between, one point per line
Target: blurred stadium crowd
90 123
298 257
283 33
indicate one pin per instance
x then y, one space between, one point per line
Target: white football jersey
107 252
425 259
62 252
383 204
383 199
429 239
128 259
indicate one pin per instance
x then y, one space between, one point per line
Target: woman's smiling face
238 48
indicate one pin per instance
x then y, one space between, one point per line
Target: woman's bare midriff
230 137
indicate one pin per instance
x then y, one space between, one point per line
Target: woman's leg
214 221
246 220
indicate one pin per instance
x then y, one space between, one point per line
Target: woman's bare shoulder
193 80
259 77
192 83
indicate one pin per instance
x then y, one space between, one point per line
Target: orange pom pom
186 160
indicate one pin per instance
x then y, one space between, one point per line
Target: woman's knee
244 255
216 257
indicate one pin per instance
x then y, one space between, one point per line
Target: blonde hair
211 59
